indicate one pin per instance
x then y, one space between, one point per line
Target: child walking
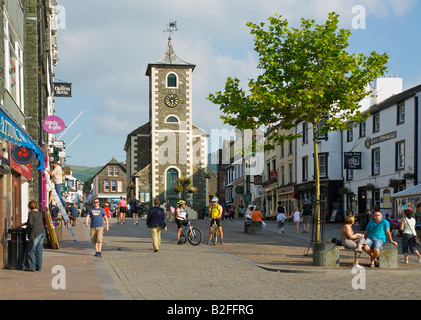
296 219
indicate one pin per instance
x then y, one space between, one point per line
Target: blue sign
11 131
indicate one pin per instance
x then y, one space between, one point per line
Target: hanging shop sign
11 131
62 89
22 155
53 125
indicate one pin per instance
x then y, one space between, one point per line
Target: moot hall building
169 150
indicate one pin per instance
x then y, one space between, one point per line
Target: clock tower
178 149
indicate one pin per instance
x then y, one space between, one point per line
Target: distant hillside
84 173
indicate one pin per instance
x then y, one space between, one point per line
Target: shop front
406 199
286 196
17 152
330 199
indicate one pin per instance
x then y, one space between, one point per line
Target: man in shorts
215 213
97 215
375 237
306 214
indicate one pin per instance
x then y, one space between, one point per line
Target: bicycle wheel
215 235
195 236
183 237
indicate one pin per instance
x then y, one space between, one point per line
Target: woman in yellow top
215 213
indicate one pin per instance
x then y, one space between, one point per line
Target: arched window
172 175
171 80
172 119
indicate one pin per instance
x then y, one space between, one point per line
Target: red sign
24 169
273 175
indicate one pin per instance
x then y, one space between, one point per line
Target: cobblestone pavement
268 266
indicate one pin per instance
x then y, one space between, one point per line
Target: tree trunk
317 186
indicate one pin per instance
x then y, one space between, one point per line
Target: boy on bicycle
215 213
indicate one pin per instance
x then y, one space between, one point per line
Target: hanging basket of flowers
344 190
191 189
370 187
178 188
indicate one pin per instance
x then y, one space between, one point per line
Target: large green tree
307 75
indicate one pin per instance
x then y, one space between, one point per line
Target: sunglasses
96 201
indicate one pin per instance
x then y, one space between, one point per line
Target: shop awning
12 131
415 190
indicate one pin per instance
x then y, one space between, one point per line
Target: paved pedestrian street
250 268
246 267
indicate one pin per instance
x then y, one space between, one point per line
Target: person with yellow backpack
215 213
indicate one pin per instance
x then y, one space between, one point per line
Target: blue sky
104 49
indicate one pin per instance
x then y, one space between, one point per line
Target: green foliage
307 75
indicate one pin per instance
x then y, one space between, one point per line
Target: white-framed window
375 162
305 132
13 63
113 171
400 117
376 123
400 155
106 186
350 134
362 129
305 168
323 165
113 186
120 186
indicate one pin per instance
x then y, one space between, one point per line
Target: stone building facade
169 146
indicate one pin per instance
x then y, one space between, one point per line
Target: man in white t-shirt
57 178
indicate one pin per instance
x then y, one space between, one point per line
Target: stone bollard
388 257
325 255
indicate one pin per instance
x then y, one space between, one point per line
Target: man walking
306 214
134 208
97 215
156 222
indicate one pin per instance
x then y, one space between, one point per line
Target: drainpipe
40 113
416 157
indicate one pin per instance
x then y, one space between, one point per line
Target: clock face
171 100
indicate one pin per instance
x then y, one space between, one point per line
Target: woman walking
408 232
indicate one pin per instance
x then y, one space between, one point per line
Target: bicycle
215 232
193 234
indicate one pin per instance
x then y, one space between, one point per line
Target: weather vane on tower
171 28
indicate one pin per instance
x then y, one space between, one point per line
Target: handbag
415 237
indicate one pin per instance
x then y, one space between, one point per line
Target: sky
105 47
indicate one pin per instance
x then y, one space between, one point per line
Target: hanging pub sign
53 125
352 160
63 89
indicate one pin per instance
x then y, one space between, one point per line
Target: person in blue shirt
375 235
98 216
